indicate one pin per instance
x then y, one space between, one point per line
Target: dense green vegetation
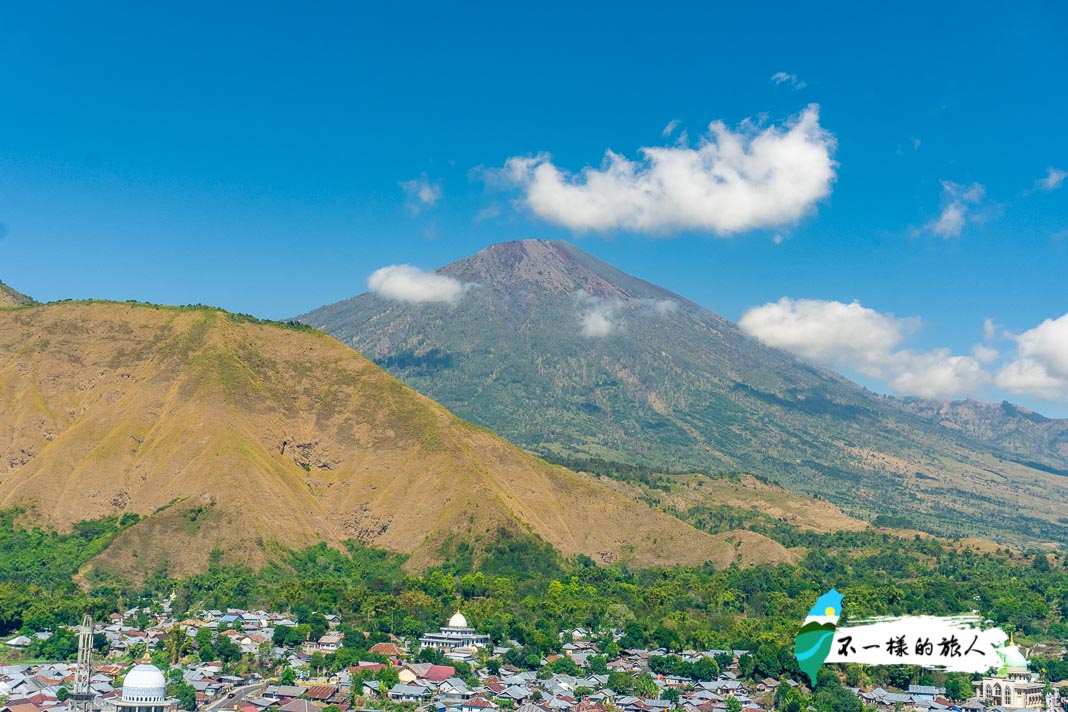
37 569
523 590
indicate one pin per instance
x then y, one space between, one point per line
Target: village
263 665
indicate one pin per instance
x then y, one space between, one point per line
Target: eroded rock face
311 454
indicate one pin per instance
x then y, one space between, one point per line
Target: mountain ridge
1030 436
223 431
11 298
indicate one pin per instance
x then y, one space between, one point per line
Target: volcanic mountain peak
568 356
553 266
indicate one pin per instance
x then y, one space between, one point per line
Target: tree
289 677
767 661
387 678
958 686
62 694
901 676
186 694
645 686
621 683
566 666
789 699
596 664
204 637
428 654
318 625
61 646
158 657
227 650
733 705
671 694
746 666
830 696
177 643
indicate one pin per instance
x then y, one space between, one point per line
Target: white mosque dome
145 683
458 621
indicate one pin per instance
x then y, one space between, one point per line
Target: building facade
457 634
1013 685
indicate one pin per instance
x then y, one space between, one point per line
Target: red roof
368 667
388 649
320 692
24 707
438 673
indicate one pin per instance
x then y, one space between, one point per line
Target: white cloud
421 193
934 374
599 316
985 354
734 180
855 337
488 213
662 307
670 128
990 329
598 323
1054 179
830 332
405 283
791 79
1030 378
1041 366
956 211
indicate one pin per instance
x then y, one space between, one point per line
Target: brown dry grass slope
10 298
243 436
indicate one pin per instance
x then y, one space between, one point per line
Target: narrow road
238 694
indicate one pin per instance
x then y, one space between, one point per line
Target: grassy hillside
226 433
669 384
10 298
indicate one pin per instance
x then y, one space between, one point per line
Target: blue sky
267 158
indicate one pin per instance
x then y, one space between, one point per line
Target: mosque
457 634
143 690
1013 685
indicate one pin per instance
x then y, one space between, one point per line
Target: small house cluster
429 687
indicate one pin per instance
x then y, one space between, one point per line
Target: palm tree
177 643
